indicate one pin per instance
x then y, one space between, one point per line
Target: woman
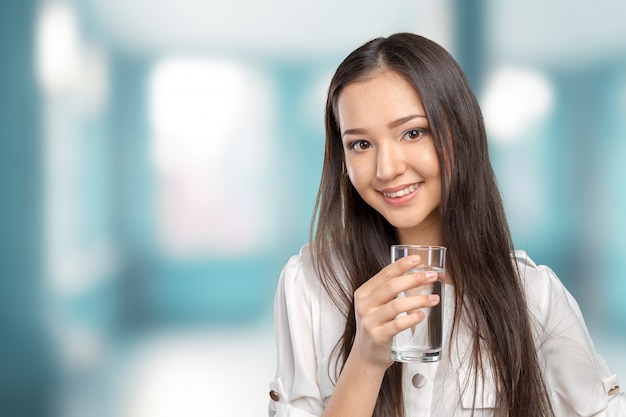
406 161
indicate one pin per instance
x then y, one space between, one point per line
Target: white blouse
308 325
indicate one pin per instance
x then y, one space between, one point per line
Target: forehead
383 96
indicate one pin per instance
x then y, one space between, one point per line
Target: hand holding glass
423 341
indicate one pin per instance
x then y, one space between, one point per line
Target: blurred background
159 163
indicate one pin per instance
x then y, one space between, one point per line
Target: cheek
436 181
430 162
436 170
357 173
354 178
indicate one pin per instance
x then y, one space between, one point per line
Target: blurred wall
27 372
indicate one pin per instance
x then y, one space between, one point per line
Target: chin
416 224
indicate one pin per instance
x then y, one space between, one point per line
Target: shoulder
579 377
299 285
545 293
302 300
539 281
299 269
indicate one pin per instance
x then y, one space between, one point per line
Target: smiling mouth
401 193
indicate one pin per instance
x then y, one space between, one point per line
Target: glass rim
436 247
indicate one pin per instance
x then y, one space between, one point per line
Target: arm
376 308
577 376
356 391
295 390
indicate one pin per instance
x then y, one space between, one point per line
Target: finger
381 320
393 270
402 323
390 289
413 316
409 305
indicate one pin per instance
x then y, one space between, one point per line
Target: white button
418 380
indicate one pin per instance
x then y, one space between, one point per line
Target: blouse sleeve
578 378
295 391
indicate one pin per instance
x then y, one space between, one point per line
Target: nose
390 162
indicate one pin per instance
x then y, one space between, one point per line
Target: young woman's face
390 154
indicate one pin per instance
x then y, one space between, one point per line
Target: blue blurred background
159 163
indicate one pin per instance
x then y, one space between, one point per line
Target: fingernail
433 297
431 275
413 259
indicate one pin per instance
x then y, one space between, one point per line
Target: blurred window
212 152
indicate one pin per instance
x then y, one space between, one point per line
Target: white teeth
401 193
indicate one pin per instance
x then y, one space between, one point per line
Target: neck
431 236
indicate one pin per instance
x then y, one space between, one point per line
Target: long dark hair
351 240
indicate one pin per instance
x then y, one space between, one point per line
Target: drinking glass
423 341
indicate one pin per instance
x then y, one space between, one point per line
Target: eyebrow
394 124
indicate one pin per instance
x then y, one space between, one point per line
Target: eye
414 134
359 145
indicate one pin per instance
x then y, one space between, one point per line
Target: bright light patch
516 101
187 374
212 153
195 100
58 46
